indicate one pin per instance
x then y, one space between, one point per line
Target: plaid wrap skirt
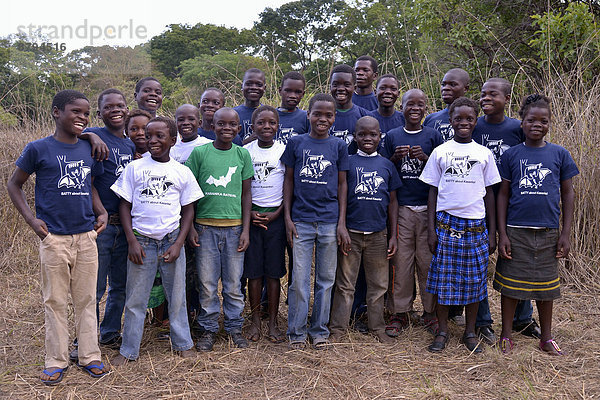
458 271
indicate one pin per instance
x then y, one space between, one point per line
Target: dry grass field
361 368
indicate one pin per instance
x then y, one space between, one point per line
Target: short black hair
320 97
463 75
387 76
263 108
504 84
107 92
167 121
133 114
64 97
363 120
463 102
253 71
531 101
371 60
343 68
293 75
188 105
140 83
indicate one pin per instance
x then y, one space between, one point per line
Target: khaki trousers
413 255
69 263
372 249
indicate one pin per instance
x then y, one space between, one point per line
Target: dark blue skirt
458 271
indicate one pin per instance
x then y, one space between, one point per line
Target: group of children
355 190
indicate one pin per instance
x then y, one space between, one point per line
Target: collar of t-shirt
412 132
362 153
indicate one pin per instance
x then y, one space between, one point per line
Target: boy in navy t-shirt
498 133
292 120
387 91
112 244
65 204
454 85
372 207
366 72
253 88
342 85
314 198
409 148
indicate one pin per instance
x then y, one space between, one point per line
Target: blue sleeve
238 139
97 168
342 157
288 157
395 181
389 147
427 119
504 167
568 168
27 161
437 139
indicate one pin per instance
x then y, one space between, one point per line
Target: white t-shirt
461 172
156 191
269 171
182 150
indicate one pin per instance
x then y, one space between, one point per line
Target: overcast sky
123 23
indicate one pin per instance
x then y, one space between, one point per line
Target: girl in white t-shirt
461 174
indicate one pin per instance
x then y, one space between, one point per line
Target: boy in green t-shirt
223 171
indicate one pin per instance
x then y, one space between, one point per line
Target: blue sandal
50 382
88 369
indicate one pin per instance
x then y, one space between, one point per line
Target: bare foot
253 332
119 360
384 338
190 353
275 335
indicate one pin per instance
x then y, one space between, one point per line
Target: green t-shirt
220 174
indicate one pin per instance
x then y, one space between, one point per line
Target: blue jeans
139 283
112 265
323 236
523 313
217 258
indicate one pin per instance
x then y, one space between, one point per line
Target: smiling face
291 92
265 125
113 110
414 104
364 74
536 124
159 140
463 121
226 124
253 86
187 118
387 92
453 87
321 117
342 87
136 130
150 96
71 121
367 135
210 102
493 99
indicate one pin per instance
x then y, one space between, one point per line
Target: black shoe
74 355
361 326
239 341
113 343
531 329
436 347
207 341
473 346
486 333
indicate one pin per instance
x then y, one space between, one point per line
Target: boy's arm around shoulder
567 197
14 187
99 148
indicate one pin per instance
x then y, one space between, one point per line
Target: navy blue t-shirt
535 174
367 101
245 114
413 192
316 163
121 152
498 137
291 124
211 135
63 183
345 122
386 124
440 121
370 181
